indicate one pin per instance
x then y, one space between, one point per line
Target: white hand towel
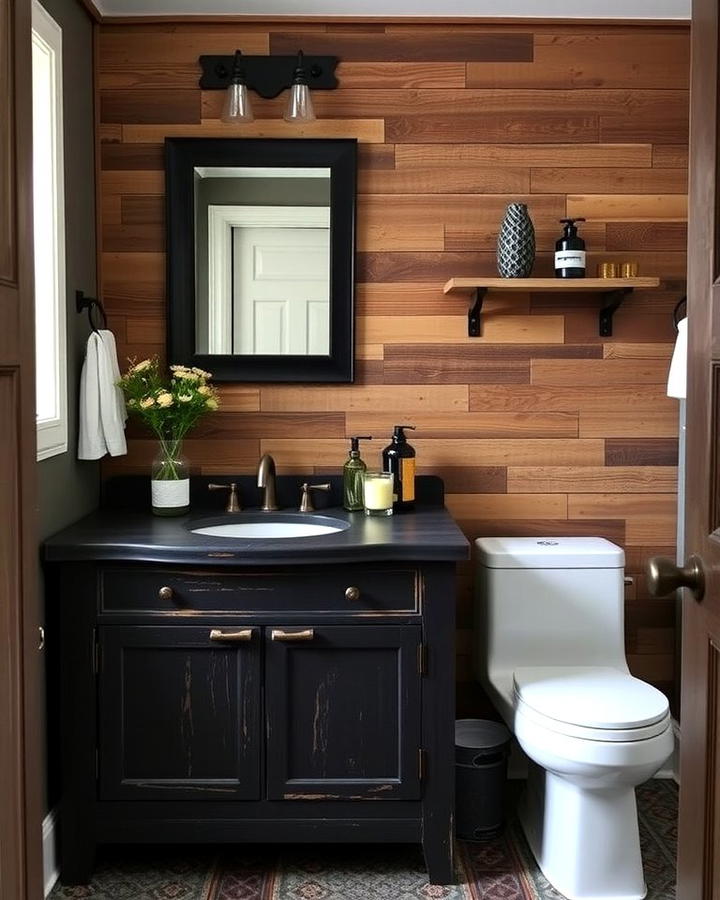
102 406
677 377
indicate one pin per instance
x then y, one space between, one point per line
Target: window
49 215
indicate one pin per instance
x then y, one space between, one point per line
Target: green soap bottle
353 473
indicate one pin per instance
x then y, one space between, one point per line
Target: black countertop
427 533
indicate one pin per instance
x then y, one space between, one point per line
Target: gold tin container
607 270
629 270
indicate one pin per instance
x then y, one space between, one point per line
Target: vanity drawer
354 590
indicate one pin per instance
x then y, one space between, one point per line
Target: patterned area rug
502 869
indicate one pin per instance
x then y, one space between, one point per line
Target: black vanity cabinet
277 703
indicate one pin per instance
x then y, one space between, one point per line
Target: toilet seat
596 703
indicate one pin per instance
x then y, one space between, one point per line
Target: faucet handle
233 504
306 501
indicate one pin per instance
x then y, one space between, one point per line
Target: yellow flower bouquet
170 408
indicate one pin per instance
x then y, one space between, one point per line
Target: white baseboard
49 840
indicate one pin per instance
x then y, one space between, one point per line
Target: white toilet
552 659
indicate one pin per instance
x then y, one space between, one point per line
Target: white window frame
52 431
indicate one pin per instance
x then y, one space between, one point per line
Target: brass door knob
165 593
352 594
664 576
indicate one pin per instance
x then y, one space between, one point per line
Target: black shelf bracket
611 302
474 316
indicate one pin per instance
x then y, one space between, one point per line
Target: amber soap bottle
399 458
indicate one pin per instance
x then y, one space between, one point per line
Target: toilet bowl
550 633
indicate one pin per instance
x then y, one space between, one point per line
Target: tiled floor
502 869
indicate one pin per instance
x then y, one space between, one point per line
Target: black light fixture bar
268 76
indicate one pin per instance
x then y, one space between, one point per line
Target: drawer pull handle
352 594
217 634
165 593
277 634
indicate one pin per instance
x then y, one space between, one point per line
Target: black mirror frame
182 155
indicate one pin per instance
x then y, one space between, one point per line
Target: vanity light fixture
237 108
268 76
300 106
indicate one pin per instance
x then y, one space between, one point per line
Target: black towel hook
90 303
679 312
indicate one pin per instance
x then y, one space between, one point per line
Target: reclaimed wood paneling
641 452
402 74
514 46
569 398
592 479
626 236
371 130
539 427
472 425
467 155
608 60
538 126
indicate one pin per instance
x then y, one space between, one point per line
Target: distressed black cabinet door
343 712
178 714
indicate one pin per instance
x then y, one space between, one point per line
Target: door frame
699 813
21 694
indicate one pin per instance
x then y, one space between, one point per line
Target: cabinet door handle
165 593
217 634
352 594
278 634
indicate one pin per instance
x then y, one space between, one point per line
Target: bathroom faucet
266 480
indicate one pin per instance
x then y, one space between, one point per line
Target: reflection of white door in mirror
268 280
280 291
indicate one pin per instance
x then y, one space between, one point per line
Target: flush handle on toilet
664 576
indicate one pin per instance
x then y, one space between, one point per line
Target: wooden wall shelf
612 290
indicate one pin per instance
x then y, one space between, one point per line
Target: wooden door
21 775
179 713
699 840
281 291
343 712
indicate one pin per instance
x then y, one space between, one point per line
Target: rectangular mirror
261 256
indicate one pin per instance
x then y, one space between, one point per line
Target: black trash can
481 752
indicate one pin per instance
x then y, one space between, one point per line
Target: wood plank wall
538 428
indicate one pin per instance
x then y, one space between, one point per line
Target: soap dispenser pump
353 472
570 251
399 458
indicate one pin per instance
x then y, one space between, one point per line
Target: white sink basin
264 527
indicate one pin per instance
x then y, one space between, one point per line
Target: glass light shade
237 107
299 107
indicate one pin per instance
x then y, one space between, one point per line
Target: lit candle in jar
378 493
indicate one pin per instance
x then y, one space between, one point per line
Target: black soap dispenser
399 458
570 252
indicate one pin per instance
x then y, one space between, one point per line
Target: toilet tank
548 601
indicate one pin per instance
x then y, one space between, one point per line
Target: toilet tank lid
549 553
